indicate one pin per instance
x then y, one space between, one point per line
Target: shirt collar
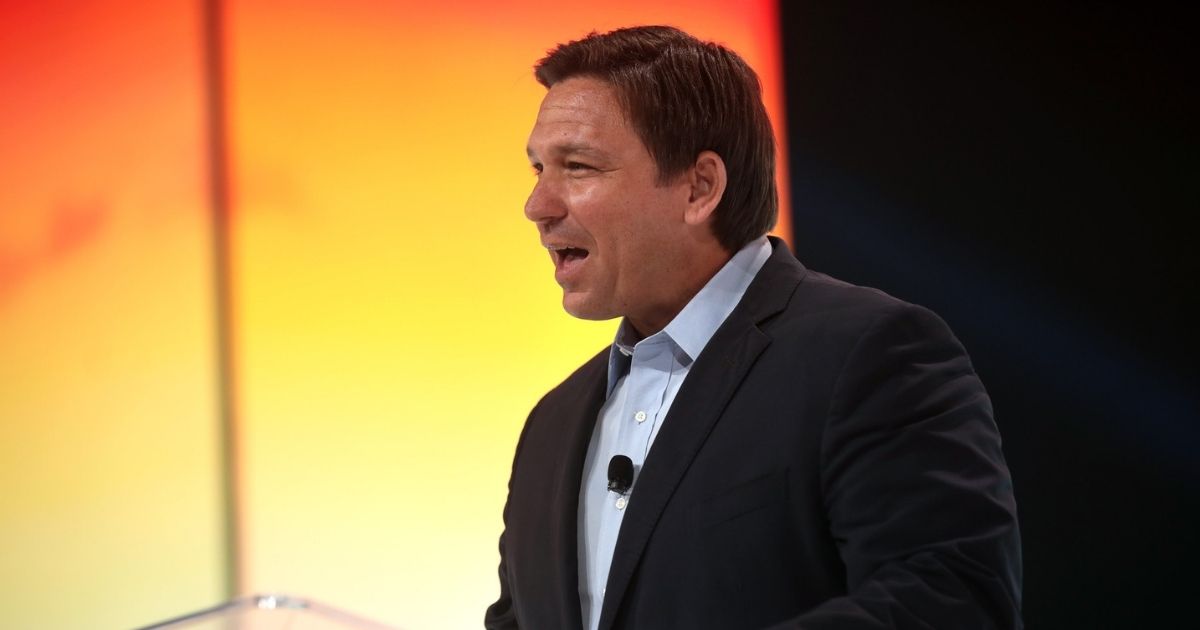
699 320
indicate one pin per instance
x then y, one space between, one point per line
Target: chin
580 307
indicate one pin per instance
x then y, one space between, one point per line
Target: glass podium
269 612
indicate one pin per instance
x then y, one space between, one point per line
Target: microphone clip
620 474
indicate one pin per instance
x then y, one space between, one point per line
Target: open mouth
567 262
566 255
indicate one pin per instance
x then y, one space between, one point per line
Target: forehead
579 113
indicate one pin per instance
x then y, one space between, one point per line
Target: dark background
1028 173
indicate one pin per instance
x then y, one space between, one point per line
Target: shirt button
621 503
640 416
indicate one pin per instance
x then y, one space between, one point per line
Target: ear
706 179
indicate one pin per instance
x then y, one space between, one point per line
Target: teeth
563 251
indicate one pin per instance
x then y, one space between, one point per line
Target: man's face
611 229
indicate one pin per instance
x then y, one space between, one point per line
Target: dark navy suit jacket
830 462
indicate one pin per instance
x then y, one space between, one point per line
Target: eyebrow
571 148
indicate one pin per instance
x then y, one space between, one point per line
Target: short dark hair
683 96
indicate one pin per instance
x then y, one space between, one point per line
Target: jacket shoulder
791 293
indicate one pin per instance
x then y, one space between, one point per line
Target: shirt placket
645 386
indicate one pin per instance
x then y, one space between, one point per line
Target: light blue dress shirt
643 379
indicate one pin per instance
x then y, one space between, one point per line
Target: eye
579 166
537 168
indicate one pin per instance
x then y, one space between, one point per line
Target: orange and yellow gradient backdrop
110 502
394 318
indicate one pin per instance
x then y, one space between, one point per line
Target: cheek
635 243
586 204
604 218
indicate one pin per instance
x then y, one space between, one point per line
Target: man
805 453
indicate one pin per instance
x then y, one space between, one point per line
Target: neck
695 270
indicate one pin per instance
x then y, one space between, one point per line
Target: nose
544 205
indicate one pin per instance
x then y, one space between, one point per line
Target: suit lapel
710 384
579 421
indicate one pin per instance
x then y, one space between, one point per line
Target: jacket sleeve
917 493
502 614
